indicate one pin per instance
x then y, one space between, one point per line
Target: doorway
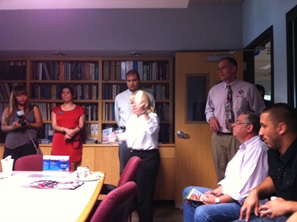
259 63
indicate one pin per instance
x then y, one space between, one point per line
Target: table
20 203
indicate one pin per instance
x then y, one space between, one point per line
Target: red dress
61 146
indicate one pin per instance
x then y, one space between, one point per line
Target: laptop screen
56 163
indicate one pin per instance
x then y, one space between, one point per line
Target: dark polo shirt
283 171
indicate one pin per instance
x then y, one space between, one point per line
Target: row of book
13 70
60 70
45 109
53 91
148 70
91 111
5 90
110 91
162 109
108 112
159 91
2 107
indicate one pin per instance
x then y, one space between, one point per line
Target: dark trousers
146 183
24 150
123 155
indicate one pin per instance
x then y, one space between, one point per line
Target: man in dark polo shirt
279 132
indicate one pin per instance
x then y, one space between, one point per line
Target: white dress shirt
247 169
245 98
141 134
123 108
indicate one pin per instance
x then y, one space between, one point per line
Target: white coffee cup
7 165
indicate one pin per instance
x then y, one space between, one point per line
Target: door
195 74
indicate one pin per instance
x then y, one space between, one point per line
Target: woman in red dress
68 122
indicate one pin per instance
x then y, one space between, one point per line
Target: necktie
229 109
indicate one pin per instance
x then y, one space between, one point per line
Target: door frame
249 58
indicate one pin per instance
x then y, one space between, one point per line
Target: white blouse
141 134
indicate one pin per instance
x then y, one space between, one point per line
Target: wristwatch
217 200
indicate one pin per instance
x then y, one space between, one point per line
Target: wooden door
195 74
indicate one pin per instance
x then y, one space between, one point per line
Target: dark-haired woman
20 121
68 122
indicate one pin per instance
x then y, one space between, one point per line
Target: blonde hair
12 107
142 96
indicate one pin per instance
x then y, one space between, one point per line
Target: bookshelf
96 80
156 78
12 72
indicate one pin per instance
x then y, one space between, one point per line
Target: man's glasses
237 122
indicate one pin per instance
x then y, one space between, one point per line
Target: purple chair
129 174
117 204
32 162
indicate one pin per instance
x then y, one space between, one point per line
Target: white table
19 203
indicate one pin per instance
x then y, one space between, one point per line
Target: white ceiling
91 4
217 1
87 4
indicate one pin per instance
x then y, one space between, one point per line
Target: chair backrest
29 163
130 171
117 204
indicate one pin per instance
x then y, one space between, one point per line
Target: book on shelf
92 71
13 70
61 73
46 72
123 70
118 70
194 195
112 70
129 66
106 70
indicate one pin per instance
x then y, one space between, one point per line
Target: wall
199 27
259 15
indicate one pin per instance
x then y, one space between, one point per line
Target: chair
129 174
32 162
117 204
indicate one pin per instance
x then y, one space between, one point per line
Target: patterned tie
229 109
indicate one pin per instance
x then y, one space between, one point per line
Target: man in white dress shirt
247 169
245 97
123 109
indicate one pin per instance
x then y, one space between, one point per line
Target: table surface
20 203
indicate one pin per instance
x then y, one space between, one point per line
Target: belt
142 151
222 133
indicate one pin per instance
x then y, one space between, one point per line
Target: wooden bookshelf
97 80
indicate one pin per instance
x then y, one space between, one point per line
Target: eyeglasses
237 122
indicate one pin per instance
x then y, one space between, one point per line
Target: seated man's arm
210 196
265 189
278 207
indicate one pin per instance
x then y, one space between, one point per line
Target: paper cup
7 165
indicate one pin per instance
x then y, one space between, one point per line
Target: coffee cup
7 165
